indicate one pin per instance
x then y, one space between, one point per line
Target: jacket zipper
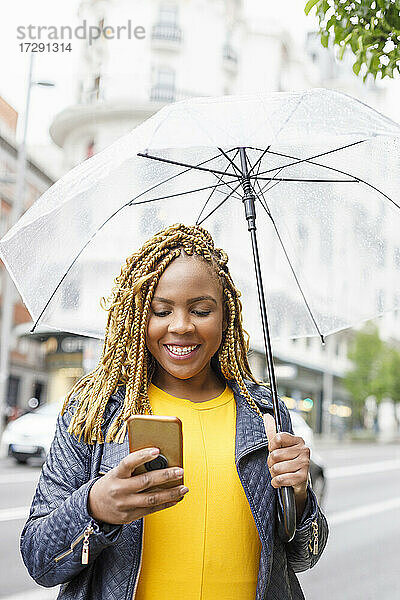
313 543
140 564
85 535
85 546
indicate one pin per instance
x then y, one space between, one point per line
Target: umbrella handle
286 514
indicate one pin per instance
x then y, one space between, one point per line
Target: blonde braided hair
125 359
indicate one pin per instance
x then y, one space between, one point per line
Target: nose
180 323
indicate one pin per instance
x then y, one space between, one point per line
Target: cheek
153 331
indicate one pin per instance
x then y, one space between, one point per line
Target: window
163 89
168 14
13 389
165 77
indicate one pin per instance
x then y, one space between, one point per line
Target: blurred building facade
203 48
28 374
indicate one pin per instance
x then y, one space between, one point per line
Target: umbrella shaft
250 211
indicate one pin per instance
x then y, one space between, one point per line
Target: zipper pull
85 547
313 543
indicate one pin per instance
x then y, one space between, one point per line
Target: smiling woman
174 346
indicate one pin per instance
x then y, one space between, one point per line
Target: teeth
180 350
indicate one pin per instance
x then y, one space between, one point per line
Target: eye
201 313
160 314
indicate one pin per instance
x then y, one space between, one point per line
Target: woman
174 345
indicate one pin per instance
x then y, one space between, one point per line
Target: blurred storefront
67 357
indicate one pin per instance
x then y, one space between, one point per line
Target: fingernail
154 451
183 489
178 471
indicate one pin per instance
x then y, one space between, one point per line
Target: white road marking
363 469
14 514
362 511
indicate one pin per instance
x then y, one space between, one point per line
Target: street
362 504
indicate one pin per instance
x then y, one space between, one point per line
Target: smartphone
155 431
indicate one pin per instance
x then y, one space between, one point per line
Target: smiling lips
181 351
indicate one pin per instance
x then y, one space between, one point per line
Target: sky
57 68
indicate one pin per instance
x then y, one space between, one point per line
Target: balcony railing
163 93
166 32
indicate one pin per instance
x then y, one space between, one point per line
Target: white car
31 435
303 430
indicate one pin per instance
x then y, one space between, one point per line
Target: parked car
30 436
317 474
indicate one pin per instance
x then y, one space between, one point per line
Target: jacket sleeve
311 535
52 538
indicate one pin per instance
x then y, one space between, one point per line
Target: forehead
188 275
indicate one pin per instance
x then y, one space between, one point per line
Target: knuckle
113 492
152 500
146 479
168 474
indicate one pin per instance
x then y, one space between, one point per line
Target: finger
147 511
153 478
284 440
289 479
282 454
288 466
288 439
148 500
270 427
129 463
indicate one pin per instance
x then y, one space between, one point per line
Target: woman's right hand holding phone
120 497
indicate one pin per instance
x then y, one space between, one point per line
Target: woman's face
186 320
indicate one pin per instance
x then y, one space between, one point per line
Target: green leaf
356 67
324 38
310 4
341 52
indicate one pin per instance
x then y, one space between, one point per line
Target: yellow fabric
206 547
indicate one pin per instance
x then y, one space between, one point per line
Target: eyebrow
190 301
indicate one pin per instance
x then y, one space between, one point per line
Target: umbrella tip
322 339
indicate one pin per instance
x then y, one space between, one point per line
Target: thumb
270 428
133 460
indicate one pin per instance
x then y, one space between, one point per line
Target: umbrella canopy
325 171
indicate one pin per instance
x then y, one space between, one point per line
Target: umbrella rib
268 211
216 207
239 172
201 189
308 180
209 197
257 164
300 160
311 161
181 164
220 178
130 203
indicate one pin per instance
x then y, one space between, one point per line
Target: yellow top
206 546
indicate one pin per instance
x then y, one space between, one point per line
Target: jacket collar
250 430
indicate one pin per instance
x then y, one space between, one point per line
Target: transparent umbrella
316 172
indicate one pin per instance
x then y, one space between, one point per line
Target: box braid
125 359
